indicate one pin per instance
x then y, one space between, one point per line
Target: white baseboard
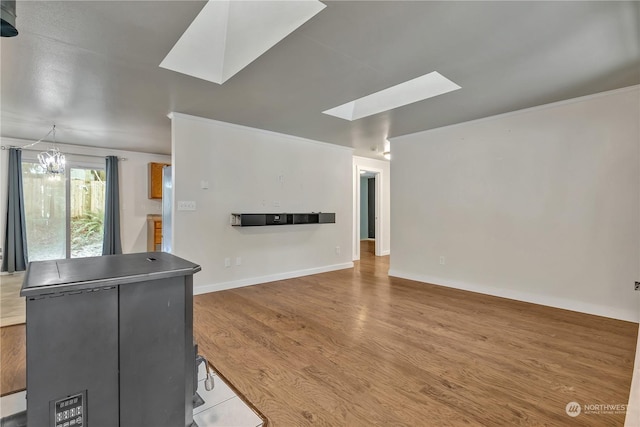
387 252
551 301
205 289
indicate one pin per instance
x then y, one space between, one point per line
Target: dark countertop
65 275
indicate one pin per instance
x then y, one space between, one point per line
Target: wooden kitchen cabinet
154 233
155 180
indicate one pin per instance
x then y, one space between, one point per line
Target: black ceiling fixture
8 15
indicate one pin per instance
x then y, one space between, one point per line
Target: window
64 214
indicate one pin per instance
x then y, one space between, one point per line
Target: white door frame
379 176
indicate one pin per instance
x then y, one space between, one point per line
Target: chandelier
52 160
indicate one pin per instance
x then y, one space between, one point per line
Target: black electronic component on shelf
259 219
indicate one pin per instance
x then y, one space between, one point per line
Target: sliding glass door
45 213
64 214
87 212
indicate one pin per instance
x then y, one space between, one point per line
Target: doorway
367 211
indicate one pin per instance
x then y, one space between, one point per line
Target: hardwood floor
12 305
13 357
354 347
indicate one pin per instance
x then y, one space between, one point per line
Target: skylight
418 89
227 35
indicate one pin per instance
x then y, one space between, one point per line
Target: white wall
255 171
134 203
541 205
383 168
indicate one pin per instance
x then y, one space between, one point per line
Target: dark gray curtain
111 243
15 257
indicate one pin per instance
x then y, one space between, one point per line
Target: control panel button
68 411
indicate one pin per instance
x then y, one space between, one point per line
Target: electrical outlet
238 260
227 262
442 260
637 286
337 250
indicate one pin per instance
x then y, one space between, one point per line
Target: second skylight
418 89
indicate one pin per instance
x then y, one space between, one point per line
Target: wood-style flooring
12 335
13 359
12 305
357 348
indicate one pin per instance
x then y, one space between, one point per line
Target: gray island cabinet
110 341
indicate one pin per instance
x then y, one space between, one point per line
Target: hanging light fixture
52 160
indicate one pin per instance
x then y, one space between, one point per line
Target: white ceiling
92 67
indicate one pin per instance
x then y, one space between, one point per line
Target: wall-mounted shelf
259 219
